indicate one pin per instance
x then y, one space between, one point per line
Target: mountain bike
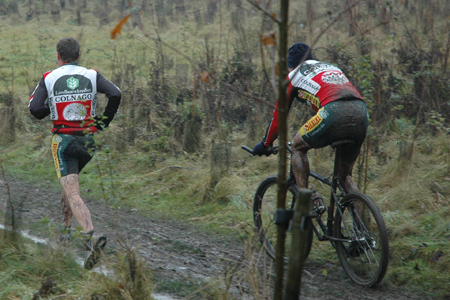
352 223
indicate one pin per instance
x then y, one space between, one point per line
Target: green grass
25 265
173 188
187 289
415 214
158 179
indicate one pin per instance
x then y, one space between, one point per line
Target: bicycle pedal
320 210
318 204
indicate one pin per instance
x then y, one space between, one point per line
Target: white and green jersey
69 95
72 93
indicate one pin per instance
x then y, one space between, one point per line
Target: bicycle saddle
342 142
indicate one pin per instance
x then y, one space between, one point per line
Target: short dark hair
68 49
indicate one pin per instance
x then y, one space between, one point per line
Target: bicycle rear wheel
364 255
264 209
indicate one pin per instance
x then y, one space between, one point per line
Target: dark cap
296 54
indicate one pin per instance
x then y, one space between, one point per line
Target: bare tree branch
234 89
363 33
410 36
325 30
332 22
264 11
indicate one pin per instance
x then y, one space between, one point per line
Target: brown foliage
118 27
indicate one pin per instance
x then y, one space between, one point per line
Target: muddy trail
181 255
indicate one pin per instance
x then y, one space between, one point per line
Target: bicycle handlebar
273 149
249 150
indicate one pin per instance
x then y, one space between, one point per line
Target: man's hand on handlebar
260 149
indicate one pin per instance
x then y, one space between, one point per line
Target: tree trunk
282 136
160 14
8 120
298 248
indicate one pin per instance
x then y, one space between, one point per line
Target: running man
69 95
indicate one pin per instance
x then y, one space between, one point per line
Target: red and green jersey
315 83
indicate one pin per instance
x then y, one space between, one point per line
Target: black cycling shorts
338 120
71 152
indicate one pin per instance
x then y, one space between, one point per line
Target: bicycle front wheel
363 246
264 209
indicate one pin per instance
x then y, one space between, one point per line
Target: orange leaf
205 76
267 40
118 27
274 15
276 70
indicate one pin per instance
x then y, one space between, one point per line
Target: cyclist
69 95
341 114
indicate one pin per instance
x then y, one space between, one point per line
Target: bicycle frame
337 192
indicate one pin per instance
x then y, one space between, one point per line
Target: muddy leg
66 210
345 176
300 163
71 189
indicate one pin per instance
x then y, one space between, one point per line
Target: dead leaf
267 40
118 27
205 76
